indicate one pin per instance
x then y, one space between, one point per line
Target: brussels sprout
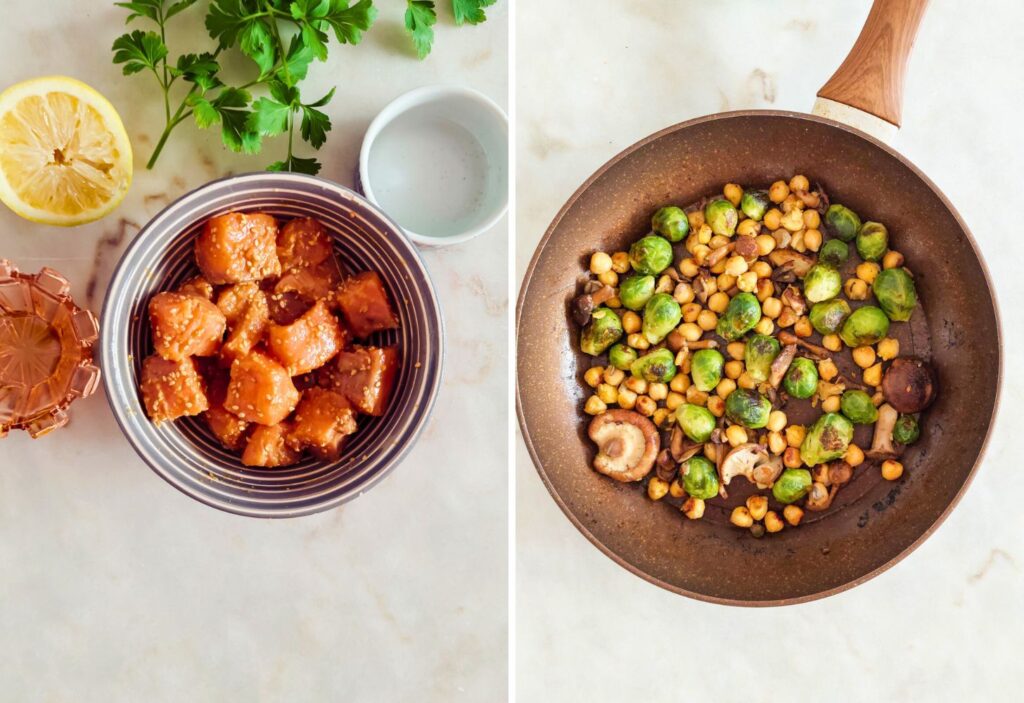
822 282
842 222
792 485
872 241
827 439
758 357
622 357
858 408
834 253
635 291
696 421
896 293
721 217
706 369
661 315
671 223
650 255
906 430
700 479
740 317
828 317
801 379
865 325
747 407
755 203
657 367
603 330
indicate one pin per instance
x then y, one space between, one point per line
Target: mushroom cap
627 444
909 385
751 461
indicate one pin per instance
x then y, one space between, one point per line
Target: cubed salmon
365 376
312 282
238 247
365 304
323 419
267 447
228 428
233 300
197 285
309 342
302 243
260 390
286 308
185 325
246 329
172 389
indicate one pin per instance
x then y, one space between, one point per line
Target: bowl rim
105 353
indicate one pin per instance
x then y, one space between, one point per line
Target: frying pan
873 523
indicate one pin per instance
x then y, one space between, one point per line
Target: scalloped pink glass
45 351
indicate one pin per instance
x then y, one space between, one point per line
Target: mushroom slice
789 338
794 299
681 446
719 254
751 461
820 497
583 305
627 444
792 260
781 364
881 443
909 385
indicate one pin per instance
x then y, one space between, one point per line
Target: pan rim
941 518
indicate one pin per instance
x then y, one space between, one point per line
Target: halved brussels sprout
706 369
603 330
801 380
827 439
906 430
872 241
650 255
755 204
842 222
743 312
896 293
747 407
671 223
835 252
865 325
622 357
659 366
792 485
635 291
828 317
759 354
661 315
696 421
721 217
700 479
821 283
858 408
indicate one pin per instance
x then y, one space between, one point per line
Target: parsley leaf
269 117
471 11
178 7
420 17
316 124
200 69
349 23
257 42
227 18
297 60
139 51
142 8
296 164
228 108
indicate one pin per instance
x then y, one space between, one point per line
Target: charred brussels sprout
650 255
896 293
834 253
872 241
700 479
858 408
755 204
822 282
740 317
747 407
661 315
865 325
801 379
827 439
696 421
758 357
792 485
622 357
635 291
671 223
906 430
842 222
828 317
721 217
603 330
657 367
706 369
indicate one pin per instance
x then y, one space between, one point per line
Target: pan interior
956 327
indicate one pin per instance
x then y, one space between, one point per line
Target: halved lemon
65 158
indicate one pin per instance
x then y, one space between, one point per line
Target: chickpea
645 405
878 398
718 302
716 405
673 400
892 259
726 281
776 421
778 192
614 376
657 488
733 192
700 253
799 182
867 271
627 398
803 327
665 284
873 375
638 341
791 458
746 381
793 514
696 397
772 219
620 262
855 289
891 470
776 442
689 268
771 307
614 302
707 320
725 387
594 406
735 435
676 490
765 326
758 506
696 218
772 522
748 228
827 369
600 263
733 369
691 311
683 293
762 268
793 221
796 242
609 278
679 383
830 404
693 508
812 219
637 385
631 322
787 318
747 282
888 348
607 393
690 331
736 350
657 390
864 356
812 237
832 342
705 235
718 241
741 516
795 435
661 415
593 376
854 455
765 244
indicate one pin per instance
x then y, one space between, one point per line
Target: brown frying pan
873 523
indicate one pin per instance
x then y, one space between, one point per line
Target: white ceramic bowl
436 160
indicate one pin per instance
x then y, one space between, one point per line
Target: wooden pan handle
871 77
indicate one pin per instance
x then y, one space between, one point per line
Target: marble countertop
115 587
946 623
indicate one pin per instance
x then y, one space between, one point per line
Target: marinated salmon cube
233 300
172 389
311 282
268 447
365 304
260 390
322 421
185 325
197 286
238 247
302 243
309 342
247 330
286 308
228 428
365 376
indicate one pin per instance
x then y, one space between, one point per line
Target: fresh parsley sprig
421 16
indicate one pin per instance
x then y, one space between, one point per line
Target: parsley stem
291 132
166 85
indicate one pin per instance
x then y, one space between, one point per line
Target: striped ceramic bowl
184 452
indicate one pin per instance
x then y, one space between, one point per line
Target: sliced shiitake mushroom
909 385
881 444
781 364
627 444
584 304
751 461
790 260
